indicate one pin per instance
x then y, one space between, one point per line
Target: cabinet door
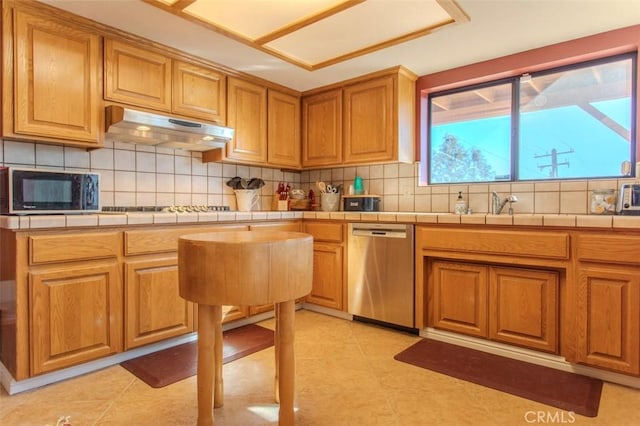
75 314
199 92
369 121
283 130
609 318
523 307
459 297
322 129
136 76
154 310
57 80
247 115
328 279
255 310
232 313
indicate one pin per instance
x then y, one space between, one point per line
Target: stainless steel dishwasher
380 273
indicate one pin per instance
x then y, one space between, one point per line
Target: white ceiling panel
368 24
253 19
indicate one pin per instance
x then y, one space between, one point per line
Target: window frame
516 81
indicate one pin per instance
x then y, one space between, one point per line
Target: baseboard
534 357
327 311
13 386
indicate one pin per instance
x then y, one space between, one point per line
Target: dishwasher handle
379 233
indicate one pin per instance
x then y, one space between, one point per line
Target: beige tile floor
345 373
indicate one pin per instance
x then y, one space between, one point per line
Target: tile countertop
563 220
124 219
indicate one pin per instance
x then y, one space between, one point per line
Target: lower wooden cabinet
608 301
460 293
329 265
328 282
523 307
609 317
75 314
232 313
507 304
154 310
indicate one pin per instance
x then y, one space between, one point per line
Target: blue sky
597 150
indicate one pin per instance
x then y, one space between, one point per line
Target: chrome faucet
497 205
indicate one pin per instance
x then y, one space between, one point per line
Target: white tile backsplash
198 168
376 171
124 160
199 185
145 182
124 181
390 171
182 165
106 180
144 175
183 183
102 159
49 155
146 162
19 153
76 158
165 163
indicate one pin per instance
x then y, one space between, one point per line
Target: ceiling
310 33
283 50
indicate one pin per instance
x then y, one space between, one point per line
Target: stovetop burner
164 209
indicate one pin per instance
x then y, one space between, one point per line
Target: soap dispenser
461 204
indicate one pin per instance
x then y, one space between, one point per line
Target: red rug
173 364
561 389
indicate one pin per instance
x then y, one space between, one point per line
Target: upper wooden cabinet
52 82
322 129
379 119
136 76
283 130
367 121
151 80
199 92
247 115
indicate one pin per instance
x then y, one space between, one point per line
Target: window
566 123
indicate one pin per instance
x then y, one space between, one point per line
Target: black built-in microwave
45 191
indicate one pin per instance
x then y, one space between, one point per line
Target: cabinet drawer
61 248
163 240
325 231
550 245
609 248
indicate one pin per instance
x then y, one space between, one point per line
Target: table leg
286 361
276 348
206 336
218 390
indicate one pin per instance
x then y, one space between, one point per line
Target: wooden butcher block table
244 268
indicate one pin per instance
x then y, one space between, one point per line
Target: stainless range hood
130 125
